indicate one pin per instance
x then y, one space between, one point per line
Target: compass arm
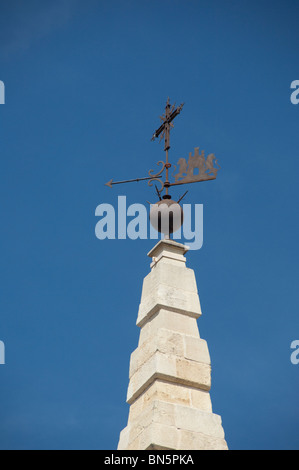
111 182
167 119
152 176
175 113
158 132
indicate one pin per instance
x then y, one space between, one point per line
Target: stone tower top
168 250
170 371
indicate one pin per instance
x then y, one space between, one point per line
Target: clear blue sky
86 82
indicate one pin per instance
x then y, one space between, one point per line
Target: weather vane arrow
196 169
111 182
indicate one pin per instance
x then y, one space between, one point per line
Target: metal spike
182 197
158 193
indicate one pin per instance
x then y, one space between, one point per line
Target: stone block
195 374
165 341
196 350
170 320
200 399
189 440
172 426
195 420
172 287
159 365
172 369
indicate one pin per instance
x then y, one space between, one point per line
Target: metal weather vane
196 169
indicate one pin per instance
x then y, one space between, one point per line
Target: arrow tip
109 184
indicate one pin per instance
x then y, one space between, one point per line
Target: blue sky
85 83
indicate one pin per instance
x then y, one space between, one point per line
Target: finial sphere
166 216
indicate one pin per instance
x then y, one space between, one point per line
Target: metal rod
210 178
158 192
182 197
167 181
111 182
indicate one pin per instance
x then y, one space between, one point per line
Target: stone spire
170 371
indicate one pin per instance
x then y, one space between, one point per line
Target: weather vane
196 169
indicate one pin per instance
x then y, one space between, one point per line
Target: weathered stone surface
171 320
200 399
172 343
170 370
157 437
171 393
199 421
168 251
173 426
196 350
189 440
169 286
